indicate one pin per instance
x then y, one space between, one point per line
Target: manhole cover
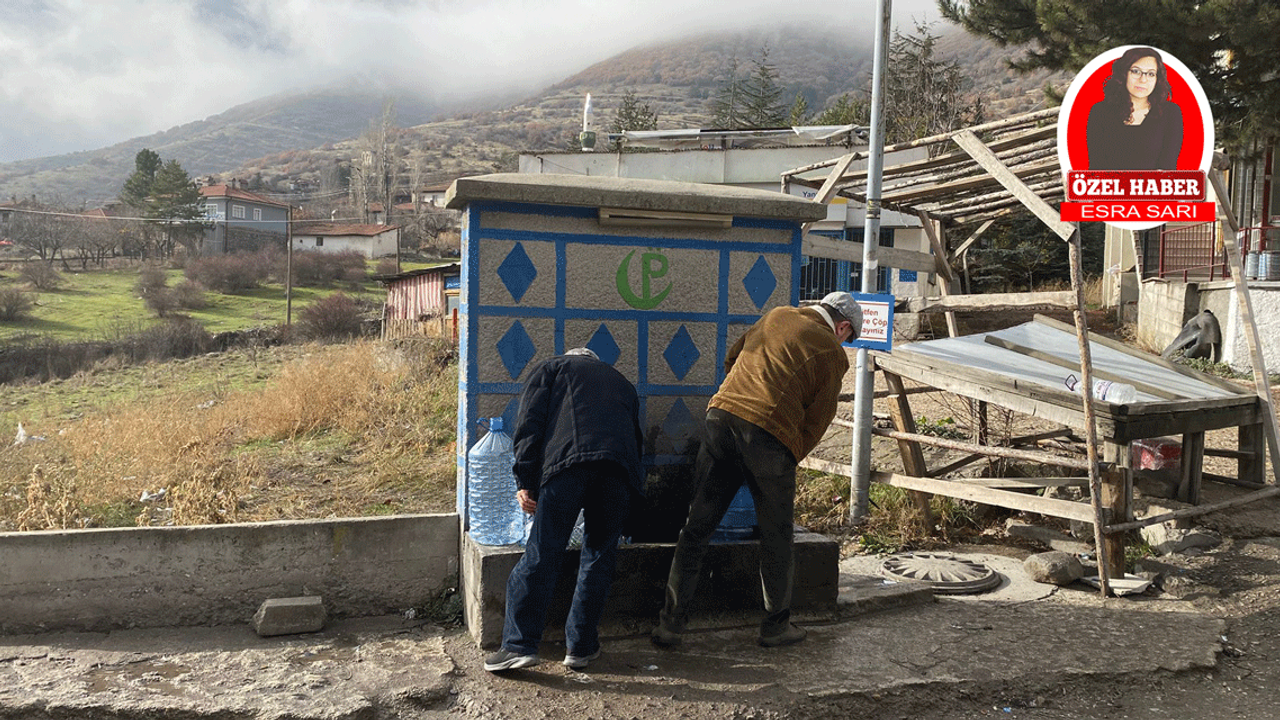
946 574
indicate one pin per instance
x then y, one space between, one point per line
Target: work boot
789 635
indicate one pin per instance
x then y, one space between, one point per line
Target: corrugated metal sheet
974 352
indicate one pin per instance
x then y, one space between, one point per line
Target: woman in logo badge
1136 126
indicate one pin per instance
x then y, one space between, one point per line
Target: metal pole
860 486
288 267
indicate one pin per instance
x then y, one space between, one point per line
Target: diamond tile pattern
681 353
604 346
517 272
760 282
679 425
516 349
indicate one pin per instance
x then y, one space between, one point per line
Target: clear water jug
493 513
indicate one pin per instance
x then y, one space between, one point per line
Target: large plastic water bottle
494 514
1106 390
739 522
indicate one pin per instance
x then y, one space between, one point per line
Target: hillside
302 136
253 130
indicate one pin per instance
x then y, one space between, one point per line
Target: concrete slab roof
632 194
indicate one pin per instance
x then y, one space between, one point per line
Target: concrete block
731 583
290 616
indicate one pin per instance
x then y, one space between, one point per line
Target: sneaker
579 662
790 635
662 637
507 660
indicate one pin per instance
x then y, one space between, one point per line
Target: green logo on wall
653 265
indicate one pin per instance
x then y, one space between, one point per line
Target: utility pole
864 390
288 267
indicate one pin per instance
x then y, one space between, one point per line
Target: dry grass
332 435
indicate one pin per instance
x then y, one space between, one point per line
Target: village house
241 220
371 241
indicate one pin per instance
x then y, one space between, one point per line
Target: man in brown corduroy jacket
783 378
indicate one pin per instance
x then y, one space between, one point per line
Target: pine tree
1230 46
762 95
846 110
923 95
727 105
138 187
799 114
632 115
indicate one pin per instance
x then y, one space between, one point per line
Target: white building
757 159
371 241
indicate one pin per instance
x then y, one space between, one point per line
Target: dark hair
1115 94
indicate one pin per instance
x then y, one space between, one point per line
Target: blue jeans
601 491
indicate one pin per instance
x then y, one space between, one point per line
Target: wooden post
943 265
1251 466
912 457
1116 487
1192 467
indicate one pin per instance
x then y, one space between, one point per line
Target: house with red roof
371 241
241 220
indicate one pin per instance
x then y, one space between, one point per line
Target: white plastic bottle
1117 393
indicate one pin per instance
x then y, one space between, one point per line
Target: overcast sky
83 74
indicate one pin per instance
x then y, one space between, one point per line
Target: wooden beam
974 237
984 157
1269 491
987 450
825 247
943 263
912 457
1260 381
1064 509
990 301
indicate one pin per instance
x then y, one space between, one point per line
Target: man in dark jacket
577 447
779 395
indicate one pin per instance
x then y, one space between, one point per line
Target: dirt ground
1238 582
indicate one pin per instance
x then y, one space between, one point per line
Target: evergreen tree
727 111
923 95
632 115
762 96
1230 46
846 110
799 114
138 187
168 198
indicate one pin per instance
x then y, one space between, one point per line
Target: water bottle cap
495 424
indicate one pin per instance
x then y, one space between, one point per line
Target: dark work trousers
601 491
735 452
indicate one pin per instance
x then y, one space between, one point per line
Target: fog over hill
298 135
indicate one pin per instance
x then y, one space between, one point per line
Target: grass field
100 303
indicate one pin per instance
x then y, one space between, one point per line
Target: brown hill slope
303 138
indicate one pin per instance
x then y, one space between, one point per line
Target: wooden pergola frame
976 175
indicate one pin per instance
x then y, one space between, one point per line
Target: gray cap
843 303
583 351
